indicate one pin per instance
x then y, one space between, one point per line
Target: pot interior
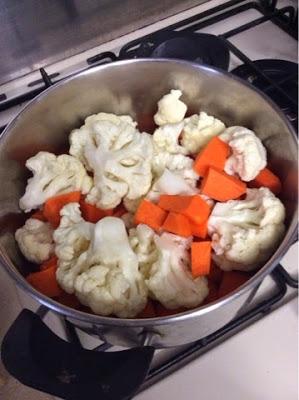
134 88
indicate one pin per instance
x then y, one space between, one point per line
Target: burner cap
197 47
283 73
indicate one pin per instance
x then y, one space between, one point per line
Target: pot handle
38 358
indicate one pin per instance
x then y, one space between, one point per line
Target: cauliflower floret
166 138
120 158
53 175
170 183
176 163
80 138
109 281
248 153
199 130
170 280
35 240
170 109
245 232
142 242
72 238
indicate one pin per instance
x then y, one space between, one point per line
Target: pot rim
193 313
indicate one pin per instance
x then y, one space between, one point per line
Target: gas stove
255 40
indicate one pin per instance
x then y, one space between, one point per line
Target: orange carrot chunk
213 155
39 215
150 214
193 207
93 214
222 187
52 262
148 312
267 179
231 280
45 282
177 224
53 206
200 258
119 211
200 230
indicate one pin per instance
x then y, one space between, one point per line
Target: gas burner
283 73
197 47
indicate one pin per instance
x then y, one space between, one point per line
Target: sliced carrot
162 311
213 155
215 274
231 280
53 206
193 207
200 258
177 224
93 214
52 262
69 300
150 214
119 211
213 293
148 312
200 230
267 179
45 282
39 215
222 187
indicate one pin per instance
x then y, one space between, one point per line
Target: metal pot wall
134 87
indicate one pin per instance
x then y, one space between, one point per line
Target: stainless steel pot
134 87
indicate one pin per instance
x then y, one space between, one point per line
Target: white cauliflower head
35 240
246 232
170 109
109 281
53 175
249 155
142 242
71 238
120 158
166 138
176 163
86 134
170 280
170 183
199 130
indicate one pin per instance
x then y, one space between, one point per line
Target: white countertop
259 363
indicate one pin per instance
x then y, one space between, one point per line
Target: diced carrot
148 312
222 187
150 214
267 179
52 262
53 206
215 274
119 211
69 300
213 155
213 293
193 207
231 280
161 311
93 214
39 215
200 230
45 282
177 224
200 258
